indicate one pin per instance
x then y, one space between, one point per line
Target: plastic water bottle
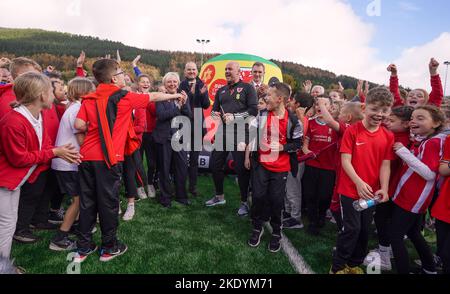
363 204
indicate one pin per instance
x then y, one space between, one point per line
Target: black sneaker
255 238
292 223
25 237
274 244
83 253
56 217
184 202
62 244
109 254
286 216
45 227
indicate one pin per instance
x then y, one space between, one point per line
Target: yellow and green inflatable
213 71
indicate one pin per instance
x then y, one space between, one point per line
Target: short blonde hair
29 87
78 87
171 74
19 62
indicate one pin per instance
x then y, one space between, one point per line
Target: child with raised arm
418 97
320 171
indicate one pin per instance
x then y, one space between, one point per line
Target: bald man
198 99
233 103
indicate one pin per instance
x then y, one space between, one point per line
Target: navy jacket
165 112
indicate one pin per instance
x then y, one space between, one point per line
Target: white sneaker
382 258
129 213
377 250
141 193
151 191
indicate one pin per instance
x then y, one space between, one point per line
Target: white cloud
413 62
322 33
408 6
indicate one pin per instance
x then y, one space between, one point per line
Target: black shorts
69 182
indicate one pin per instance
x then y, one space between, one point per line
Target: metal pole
447 63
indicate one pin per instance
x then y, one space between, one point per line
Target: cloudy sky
353 37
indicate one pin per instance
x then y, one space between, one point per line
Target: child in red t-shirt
274 158
366 153
416 187
105 116
398 124
350 114
320 172
441 210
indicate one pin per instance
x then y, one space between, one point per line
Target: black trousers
269 189
317 185
443 244
218 159
133 174
352 240
33 203
193 169
337 215
100 187
149 149
169 160
383 218
52 188
410 224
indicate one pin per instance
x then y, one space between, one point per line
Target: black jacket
294 138
165 112
197 100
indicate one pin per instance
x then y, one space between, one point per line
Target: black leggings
443 244
133 174
410 224
382 218
149 149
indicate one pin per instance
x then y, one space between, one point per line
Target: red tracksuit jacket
19 150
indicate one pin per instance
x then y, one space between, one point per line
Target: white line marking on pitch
297 261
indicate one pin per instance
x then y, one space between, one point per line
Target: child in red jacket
416 187
441 210
24 145
418 97
105 116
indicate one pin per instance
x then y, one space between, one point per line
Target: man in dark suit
198 100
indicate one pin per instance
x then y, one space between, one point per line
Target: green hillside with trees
62 49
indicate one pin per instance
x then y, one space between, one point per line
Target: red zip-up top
19 150
397 163
139 123
436 95
6 97
50 120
